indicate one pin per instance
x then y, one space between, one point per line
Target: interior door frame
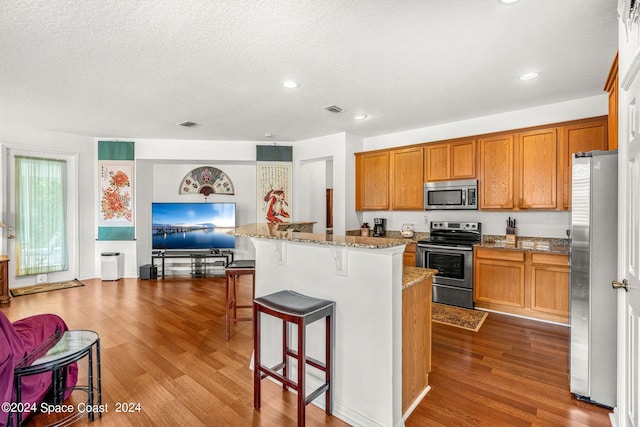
9 151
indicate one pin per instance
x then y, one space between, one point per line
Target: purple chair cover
32 336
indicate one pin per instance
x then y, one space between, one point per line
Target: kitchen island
365 277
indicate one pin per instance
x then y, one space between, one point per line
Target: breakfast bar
365 278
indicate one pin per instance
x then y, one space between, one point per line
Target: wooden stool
233 271
300 310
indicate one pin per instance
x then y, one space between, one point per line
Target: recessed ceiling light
360 117
508 1
290 84
529 76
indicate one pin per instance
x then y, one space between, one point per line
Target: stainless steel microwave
449 195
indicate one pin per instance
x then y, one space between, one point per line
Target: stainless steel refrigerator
594 214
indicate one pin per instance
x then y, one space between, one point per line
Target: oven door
454 264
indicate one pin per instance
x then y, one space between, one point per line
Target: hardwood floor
163 345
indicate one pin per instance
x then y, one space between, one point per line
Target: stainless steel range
450 251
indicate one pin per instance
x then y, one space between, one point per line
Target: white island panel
366 284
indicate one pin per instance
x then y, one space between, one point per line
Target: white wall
337 149
537 224
57 142
165 163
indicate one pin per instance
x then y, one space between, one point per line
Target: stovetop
454 233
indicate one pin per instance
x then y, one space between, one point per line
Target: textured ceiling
134 69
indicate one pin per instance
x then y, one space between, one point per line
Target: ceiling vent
188 124
333 109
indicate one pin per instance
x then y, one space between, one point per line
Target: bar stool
233 271
300 310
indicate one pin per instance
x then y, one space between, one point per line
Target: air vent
333 109
188 124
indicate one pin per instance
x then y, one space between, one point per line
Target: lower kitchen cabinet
499 277
530 284
409 256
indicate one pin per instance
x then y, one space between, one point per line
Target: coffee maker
379 227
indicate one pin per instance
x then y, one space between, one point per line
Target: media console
196 261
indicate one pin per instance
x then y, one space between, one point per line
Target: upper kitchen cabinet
450 160
537 169
587 135
496 166
612 87
519 171
372 180
390 179
406 178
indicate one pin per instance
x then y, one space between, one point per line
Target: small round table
72 346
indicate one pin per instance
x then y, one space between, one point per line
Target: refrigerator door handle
617 285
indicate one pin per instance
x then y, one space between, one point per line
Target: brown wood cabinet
584 136
537 169
416 341
612 87
372 180
4 280
450 160
521 169
549 279
496 181
409 256
390 179
530 284
499 277
406 178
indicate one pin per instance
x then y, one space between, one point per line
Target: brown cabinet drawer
500 254
550 259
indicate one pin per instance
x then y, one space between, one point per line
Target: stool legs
299 354
302 363
231 309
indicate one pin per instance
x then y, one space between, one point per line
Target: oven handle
446 248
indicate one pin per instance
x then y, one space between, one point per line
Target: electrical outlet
41 278
426 220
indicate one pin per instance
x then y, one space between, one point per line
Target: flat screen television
193 225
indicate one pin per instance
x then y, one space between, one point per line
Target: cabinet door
438 162
499 282
537 169
550 284
582 137
406 179
409 255
372 181
463 159
496 172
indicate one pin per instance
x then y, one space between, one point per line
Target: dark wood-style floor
163 346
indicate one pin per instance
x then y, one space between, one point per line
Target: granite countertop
523 243
270 231
395 234
414 275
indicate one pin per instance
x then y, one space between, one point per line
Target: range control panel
468 226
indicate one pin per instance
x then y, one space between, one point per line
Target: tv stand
198 261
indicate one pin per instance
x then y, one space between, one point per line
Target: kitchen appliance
593 260
448 195
379 227
449 250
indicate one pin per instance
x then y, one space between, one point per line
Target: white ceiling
135 68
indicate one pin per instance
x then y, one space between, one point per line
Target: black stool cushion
293 303
243 263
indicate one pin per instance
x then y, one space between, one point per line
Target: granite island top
414 275
523 243
270 231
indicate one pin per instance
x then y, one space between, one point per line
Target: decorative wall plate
206 180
